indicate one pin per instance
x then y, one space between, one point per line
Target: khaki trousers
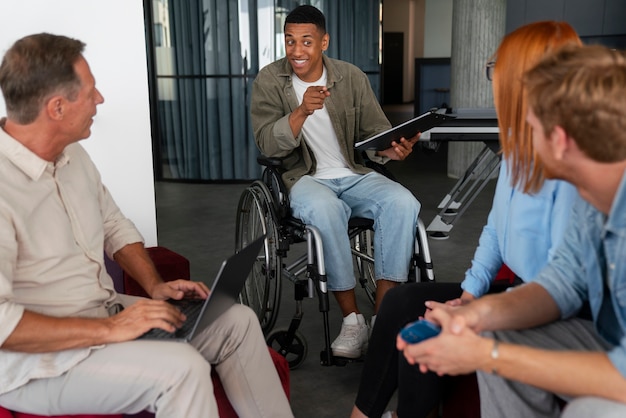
171 379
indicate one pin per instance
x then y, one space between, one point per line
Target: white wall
120 144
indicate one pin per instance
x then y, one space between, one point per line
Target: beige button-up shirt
56 221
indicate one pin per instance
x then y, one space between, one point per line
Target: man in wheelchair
310 110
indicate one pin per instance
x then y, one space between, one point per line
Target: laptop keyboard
191 308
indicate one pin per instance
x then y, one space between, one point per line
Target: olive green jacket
352 106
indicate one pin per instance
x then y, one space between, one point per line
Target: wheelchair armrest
269 161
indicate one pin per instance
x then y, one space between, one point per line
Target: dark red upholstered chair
4 413
461 398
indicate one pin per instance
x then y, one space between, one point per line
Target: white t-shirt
320 136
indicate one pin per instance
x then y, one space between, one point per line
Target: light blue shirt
591 265
522 231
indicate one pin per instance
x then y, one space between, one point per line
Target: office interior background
204 55
176 77
405 47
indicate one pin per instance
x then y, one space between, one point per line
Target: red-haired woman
526 222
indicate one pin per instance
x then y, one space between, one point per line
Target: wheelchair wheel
262 289
363 253
294 348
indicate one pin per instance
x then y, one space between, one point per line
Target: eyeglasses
489 70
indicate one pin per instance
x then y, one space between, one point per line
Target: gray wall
593 19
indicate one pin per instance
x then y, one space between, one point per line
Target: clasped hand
458 349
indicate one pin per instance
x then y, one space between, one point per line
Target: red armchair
5 413
461 397
172 266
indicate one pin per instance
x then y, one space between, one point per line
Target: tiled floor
198 221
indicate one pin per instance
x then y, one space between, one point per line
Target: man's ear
55 107
325 41
559 142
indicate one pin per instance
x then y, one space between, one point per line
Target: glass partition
204 57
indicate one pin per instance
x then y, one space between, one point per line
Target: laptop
224 294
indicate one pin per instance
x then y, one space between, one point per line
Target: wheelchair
264 209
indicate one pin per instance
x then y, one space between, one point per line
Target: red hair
519 51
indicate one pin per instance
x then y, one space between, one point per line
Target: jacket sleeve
373 118
270 112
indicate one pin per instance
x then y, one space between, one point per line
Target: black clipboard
406 130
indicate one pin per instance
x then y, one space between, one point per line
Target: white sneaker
352 340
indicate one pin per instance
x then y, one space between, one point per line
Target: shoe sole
350 354
345 354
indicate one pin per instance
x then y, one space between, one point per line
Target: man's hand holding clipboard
390 142
400 149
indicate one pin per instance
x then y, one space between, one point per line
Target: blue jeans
329 204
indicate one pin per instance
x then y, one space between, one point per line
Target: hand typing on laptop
179 289
202 306
144 315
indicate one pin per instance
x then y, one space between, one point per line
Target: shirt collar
24 159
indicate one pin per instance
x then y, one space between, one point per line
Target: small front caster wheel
294 348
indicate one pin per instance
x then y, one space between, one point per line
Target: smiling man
310 110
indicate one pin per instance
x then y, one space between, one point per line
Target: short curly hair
307 14
35 68
583 90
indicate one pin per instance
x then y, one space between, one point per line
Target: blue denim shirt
591 265
522 231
